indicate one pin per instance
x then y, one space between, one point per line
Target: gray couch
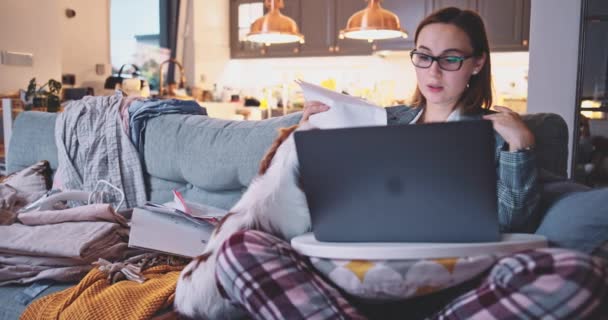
212 161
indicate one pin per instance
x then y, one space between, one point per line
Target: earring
468 85
475 72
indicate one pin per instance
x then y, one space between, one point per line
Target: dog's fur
273 203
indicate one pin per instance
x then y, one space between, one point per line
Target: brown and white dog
273 203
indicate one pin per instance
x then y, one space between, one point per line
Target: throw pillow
35 178
578 221
21 188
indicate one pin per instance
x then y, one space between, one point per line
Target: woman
265 276
452 60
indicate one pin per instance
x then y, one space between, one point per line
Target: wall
30 26
554 37
207 42
85 41
60 45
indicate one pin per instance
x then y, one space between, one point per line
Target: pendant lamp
373 23
274 27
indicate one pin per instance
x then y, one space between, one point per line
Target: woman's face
440 87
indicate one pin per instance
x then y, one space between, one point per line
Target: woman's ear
479 63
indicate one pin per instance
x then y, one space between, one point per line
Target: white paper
344 110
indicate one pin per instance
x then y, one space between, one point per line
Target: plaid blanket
269 279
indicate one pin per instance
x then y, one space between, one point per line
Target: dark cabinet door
507 22
462 4
410 14
293 10
242 12
318 27
597 8
344 10
504 21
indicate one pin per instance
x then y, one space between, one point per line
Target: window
135 37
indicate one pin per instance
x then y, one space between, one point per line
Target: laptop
404 183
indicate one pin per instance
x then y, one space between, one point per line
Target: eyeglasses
447 63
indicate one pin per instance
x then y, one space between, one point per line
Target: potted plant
43 98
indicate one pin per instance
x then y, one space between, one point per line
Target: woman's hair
479 93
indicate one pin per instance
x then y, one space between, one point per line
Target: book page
345 111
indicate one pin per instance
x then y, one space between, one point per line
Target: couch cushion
551 133
578 221
209 160
33 139
21 188
33 179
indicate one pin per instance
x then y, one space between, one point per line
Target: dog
273 202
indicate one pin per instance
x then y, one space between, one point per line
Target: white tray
307 245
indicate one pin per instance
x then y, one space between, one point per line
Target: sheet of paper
345 111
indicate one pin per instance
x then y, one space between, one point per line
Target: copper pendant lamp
373 23
274 27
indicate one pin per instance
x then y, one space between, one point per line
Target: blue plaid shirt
518 194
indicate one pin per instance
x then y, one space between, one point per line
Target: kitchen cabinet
462 4
344 10
410 14
318 28
321 24
293 10
597 8
507 23
242 14
245 12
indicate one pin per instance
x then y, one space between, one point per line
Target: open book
167 228
345 111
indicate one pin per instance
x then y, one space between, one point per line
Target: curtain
169 25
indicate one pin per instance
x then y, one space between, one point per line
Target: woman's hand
512 128
312 107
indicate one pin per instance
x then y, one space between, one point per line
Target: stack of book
181 231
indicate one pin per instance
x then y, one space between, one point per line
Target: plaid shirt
517 190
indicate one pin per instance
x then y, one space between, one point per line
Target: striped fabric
270 280
539 284
265 276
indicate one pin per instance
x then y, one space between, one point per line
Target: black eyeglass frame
438 59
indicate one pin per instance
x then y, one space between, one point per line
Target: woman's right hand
312 107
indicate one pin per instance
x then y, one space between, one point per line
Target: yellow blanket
96 298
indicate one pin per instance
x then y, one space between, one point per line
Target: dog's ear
267 159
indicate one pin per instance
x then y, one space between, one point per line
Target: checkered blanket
269 279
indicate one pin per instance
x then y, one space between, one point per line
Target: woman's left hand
512 128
